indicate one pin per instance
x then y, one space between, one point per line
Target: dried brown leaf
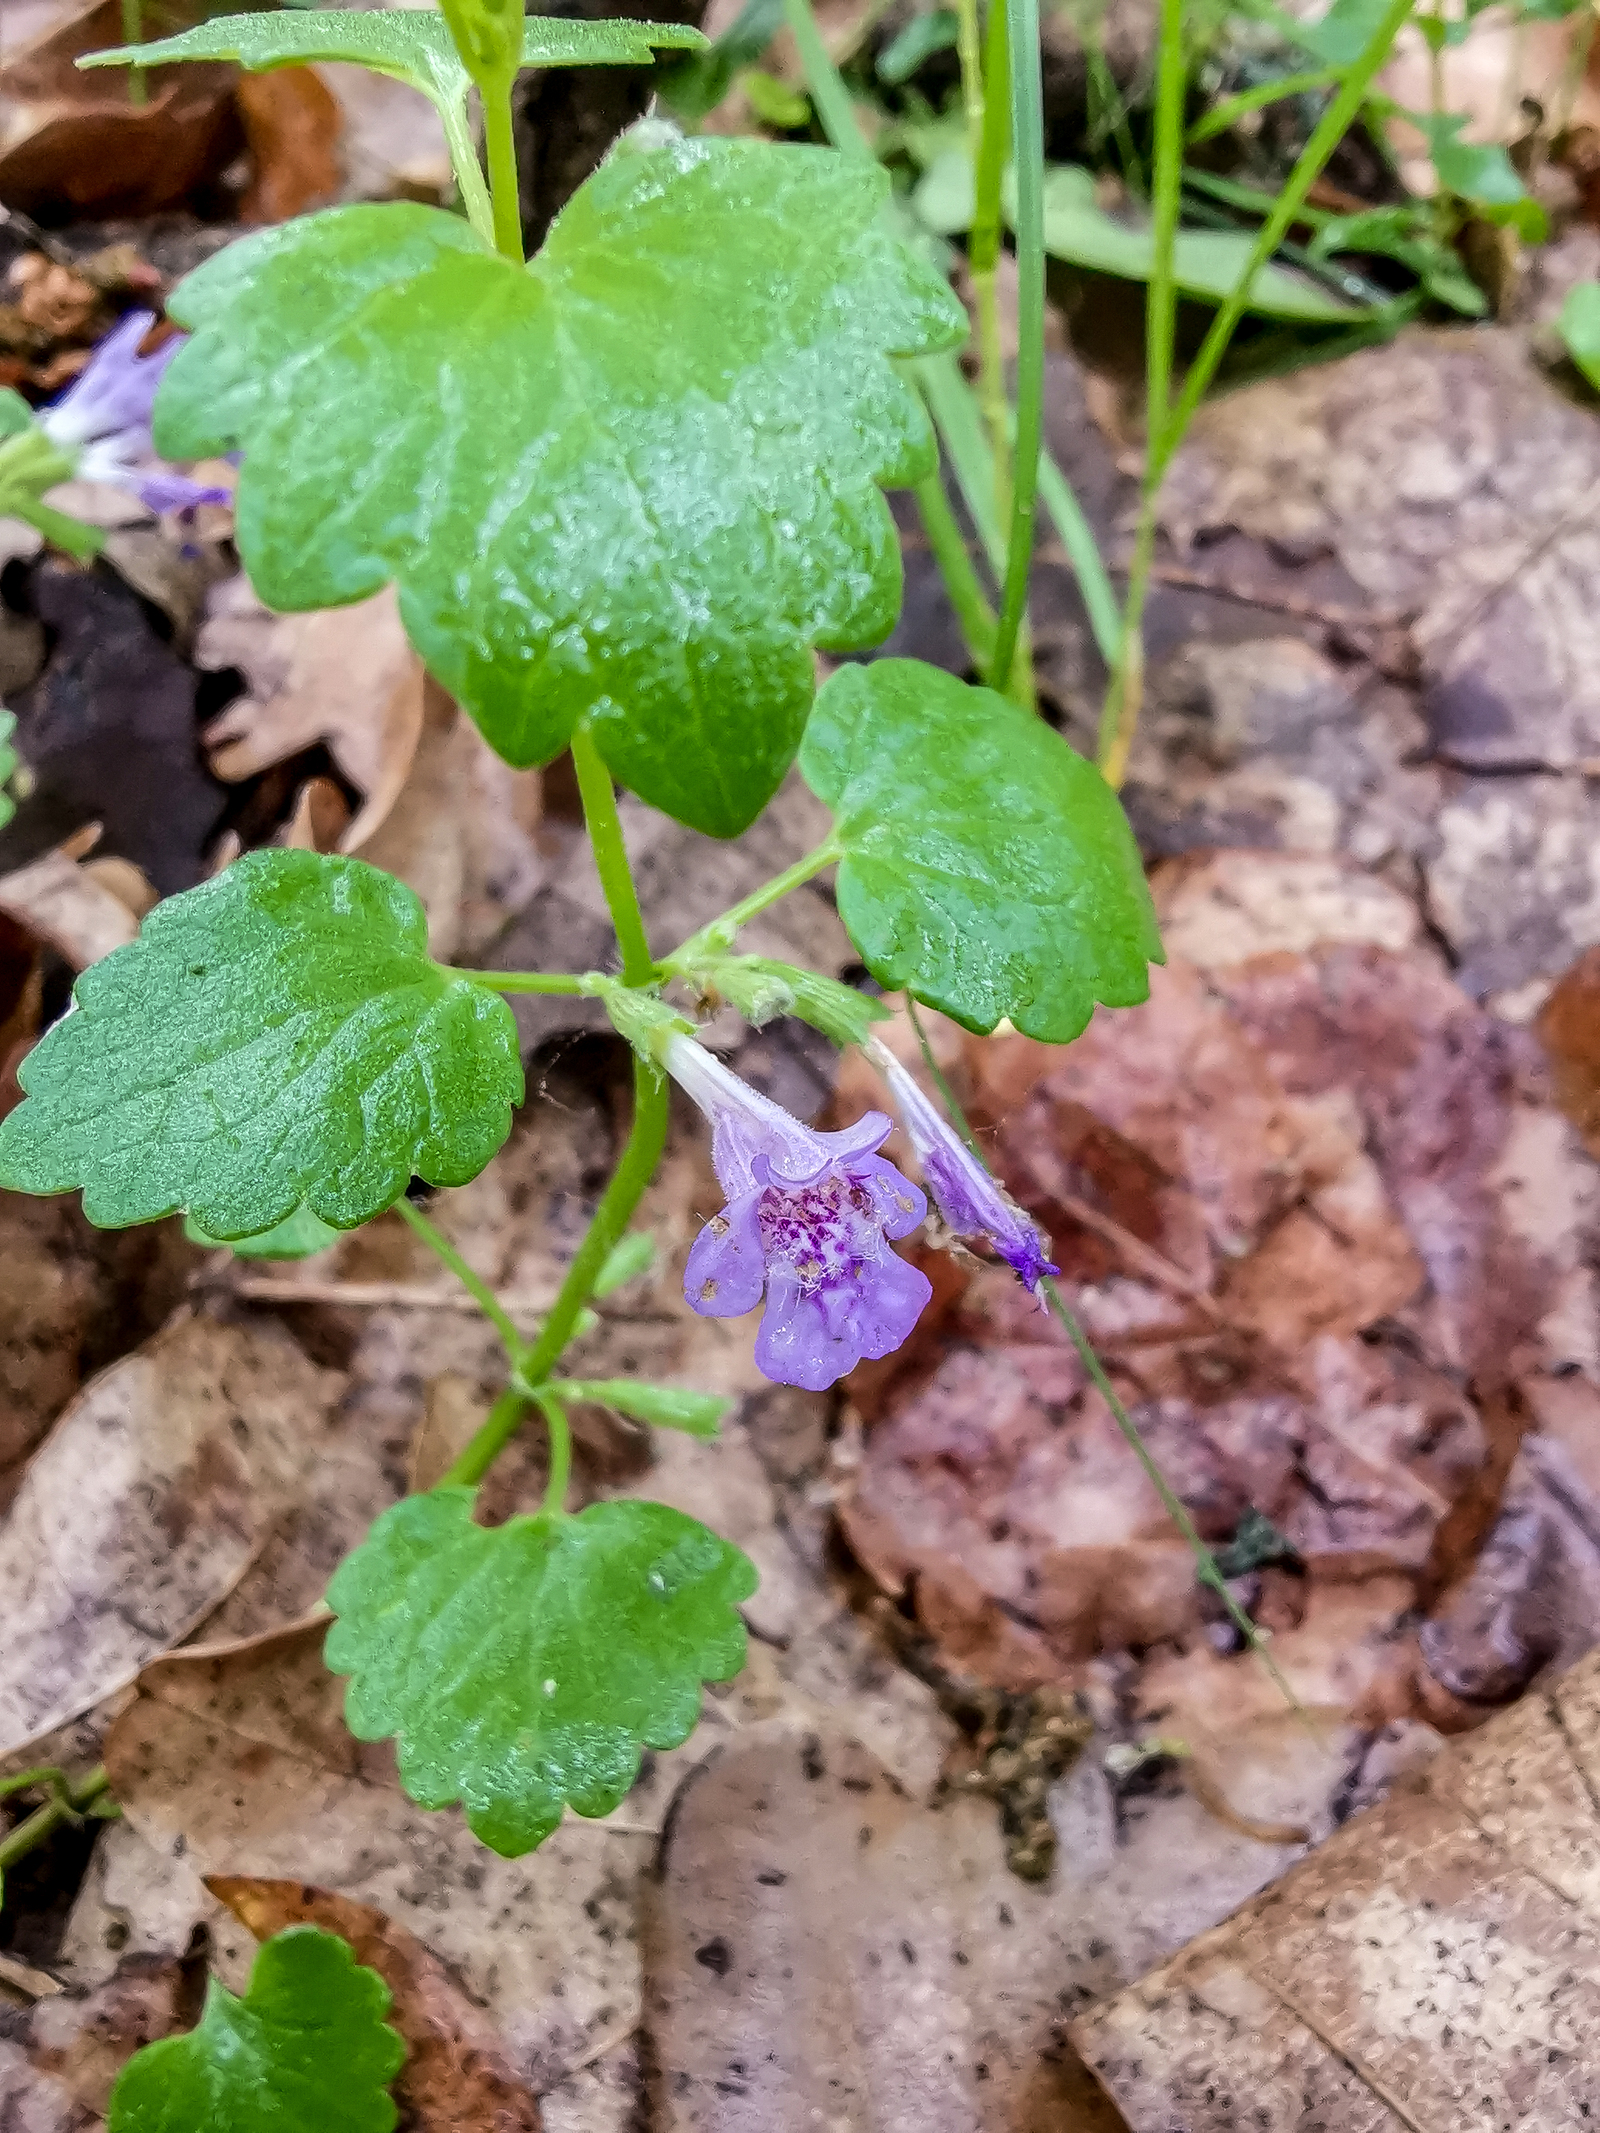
346 676
158 1487
291 125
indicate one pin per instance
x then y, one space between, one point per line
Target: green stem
468 170
611 857
1330 130
939 376
983 250
826 84
485 1298
1228 113
973 611
133 33
716 937
560 1432
1205 1562
500 144
633 1173
588 981
66 1804
1161 302
1120 718
1027 126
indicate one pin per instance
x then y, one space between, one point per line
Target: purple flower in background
102 421
808 1223
963 1191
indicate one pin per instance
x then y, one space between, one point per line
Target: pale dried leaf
345 676
61 902
156 1490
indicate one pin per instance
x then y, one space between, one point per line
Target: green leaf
697 82
634 483
9 766
306 2047
298 1236
988 868
1344 32
276 1036
922 37
1404 234
762 988
407 44
15 413
697 1414
521 1667
777 106
1478 171
630 1257
1205 263
1579 325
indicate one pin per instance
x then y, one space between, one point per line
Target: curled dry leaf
346 676
456 2077
63 904
156 1490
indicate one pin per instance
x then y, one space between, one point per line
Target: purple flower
963 1191
808 1223
102 421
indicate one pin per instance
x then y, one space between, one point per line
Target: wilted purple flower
808 1222
963 1191
102 421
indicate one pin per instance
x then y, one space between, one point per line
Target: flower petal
724 1273
900 1204
793 1345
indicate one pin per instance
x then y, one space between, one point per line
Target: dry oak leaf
456 2077
1434 1967
156 1490
345 676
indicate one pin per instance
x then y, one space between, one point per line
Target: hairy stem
716 936
133 33
468 170
501 150
560 1431
611 857
480 1291
1027 127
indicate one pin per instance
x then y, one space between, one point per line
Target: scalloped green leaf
988 868
408 44
277 1036
521 1668
634 483
306 2047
